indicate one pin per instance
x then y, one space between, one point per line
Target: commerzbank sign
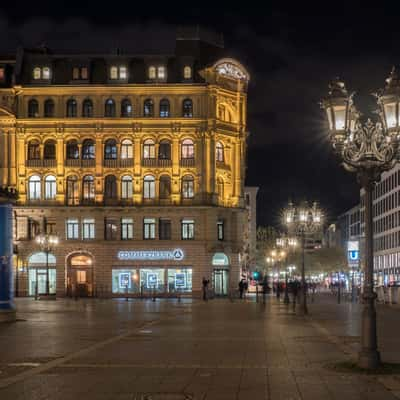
149 255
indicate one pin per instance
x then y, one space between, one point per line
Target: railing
110 163
88 163
187 162
164 162
149 162
41 163
126 162
49 162
77 163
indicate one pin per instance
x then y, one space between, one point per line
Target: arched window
187 108
34 187
164 108
110 187
87 108
165 187
88 150
46 73
149 150
126 149
148 108
49 151
88 191
72 191
187 149
50 187
110 149
219 152
187 72
34 150
72 108
72 150
126 187
152 72
37 73
149 187
49 108
187 187
109 108
33 108
164 150
126 108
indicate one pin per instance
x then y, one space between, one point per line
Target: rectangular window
122 73
84 73
110 229
2 74
164 229
161 72
72 228
180 280
149 228
50 227
88 228
187 229
220 230
81 277
126 228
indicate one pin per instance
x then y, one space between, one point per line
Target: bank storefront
135 276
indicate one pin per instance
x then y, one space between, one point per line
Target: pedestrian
205 286
241 288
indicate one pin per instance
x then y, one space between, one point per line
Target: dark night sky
291 55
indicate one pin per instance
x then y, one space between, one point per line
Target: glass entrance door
220 278
41 281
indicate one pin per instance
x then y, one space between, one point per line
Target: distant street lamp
277 256
288 244
367 149
302 221
47 242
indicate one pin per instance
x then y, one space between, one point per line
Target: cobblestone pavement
137 350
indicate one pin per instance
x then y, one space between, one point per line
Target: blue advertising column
7 307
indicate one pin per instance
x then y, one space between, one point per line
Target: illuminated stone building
136 163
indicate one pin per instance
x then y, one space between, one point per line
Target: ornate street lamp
47 242
367 149
302 221
288 244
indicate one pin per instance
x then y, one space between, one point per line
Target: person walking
205 286
241 288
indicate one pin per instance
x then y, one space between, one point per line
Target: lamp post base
369 359
8 316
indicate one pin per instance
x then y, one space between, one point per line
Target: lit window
72 228
187 187
149 228
187 72
46 73
34 150
50 187
187 149
148 108
84 73
75 73
88 228
34 187
149 187
72 191
88 188
37 73
219 152
122 73
2 74
220 230
161 72
187 229
126 187
149 150
126 149
126 228
152 72
113 72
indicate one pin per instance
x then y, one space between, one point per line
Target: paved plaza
140 349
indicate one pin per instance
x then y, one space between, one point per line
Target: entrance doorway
80 280
221 282
37 274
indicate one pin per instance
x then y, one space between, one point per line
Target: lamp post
302 221
368 149
47 242
287 244
277 256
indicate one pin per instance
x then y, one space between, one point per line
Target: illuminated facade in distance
122 155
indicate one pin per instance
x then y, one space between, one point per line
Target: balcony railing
118 163
77 163
41 163
187 162
164 162
110 163
126 162
149 162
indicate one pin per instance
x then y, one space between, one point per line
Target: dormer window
2 74
41 73
161 72
152 72
187 72
157 72
120 72
80 73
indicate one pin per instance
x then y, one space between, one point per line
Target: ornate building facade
136 164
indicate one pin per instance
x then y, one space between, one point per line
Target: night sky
290 53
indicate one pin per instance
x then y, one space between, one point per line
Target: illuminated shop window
152 279
125 281
180 280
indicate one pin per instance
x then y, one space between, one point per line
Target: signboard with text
353 253
150 255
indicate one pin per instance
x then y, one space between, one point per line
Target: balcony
51 163
126 162
110 163
118 163
77 163
187 162
149 162
163 163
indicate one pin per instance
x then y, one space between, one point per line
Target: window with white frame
187 187
88 228
126 187
72 228
34 187
114 72
149 228
187 149
152 72
187 72
149 187
126 149
46 73
149 149
161 73
187 226
37 73
220 229
50 187
126 228
219 152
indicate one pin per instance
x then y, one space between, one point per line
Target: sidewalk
113 349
